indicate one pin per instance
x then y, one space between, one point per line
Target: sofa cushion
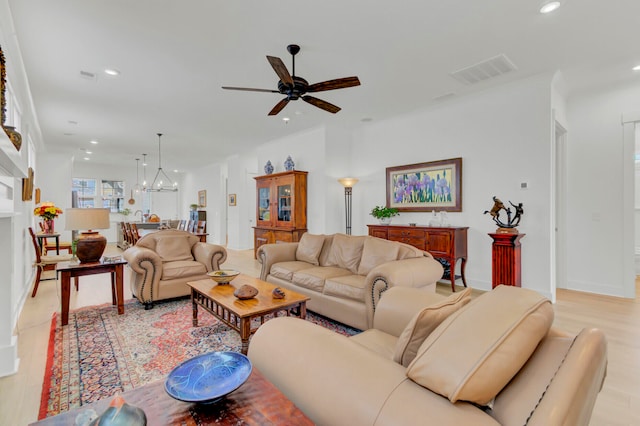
424 322
181 269
172 249
405 251
285 270
347 251
326 258
347 286
477 350
309 248
377 341
377 251
314 278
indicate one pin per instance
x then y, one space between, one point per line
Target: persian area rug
100 353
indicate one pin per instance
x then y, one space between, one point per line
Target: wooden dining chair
41 262
135 235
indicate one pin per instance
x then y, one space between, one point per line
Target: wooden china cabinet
281 208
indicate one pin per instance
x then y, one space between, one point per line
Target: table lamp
90 244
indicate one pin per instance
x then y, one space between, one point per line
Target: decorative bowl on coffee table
207 378
223 276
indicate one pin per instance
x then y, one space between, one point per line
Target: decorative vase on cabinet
289 165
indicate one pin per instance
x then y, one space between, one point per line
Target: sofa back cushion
405 251
377 251
477 350
309 248
424 322
346 251
174 248
326 257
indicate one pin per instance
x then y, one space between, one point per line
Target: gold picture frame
202 198
232 199
423 187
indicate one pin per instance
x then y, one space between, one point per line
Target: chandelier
161 182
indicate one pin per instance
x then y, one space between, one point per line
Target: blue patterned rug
100 353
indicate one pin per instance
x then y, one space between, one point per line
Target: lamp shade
91 244
85 219
348 182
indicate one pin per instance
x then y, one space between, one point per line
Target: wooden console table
256 402
448 243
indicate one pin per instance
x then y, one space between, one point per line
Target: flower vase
385 220
47 226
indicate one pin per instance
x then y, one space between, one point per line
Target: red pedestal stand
506 259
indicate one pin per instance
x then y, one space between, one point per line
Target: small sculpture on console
513 220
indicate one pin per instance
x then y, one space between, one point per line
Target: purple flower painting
426 186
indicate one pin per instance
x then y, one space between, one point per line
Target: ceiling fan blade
280 69
338 83
248 89
321 104
279 106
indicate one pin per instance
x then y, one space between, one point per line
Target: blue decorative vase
268 168
289 164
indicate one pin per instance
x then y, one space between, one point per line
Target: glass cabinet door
264 213
284 203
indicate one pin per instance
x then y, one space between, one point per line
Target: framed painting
232 199
202 198
423 187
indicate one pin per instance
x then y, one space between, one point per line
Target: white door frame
560 197
629 122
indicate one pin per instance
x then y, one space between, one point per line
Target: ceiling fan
294 87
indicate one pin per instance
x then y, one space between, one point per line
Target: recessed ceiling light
175 170
94 142
112 71
636 68
89 152
87 158
549 7
286 120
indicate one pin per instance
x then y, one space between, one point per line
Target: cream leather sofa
344 275
493 361
161 263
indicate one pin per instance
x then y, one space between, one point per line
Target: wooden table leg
66 293
463 264
113 288
452 273
303 310
120 288
194 308
245 333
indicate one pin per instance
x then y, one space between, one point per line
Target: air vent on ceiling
490 68
87 75
444 96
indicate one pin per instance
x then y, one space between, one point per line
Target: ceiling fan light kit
295 87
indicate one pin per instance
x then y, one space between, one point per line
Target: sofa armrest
268 254
211 255
147 271
415 272
336 381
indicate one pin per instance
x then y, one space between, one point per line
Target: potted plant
384 214
125 212
193 207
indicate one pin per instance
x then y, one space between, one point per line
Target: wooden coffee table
218 299
256 402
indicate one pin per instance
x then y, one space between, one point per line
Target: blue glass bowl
209 377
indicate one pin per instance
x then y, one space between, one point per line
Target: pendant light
162 182
144 172
137 188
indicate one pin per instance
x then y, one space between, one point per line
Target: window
113 195
86 190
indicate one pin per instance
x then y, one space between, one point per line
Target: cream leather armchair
161 263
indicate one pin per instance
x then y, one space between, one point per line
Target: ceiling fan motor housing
299 88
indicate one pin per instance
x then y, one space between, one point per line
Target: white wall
503 138
595 190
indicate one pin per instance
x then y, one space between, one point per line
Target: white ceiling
174 56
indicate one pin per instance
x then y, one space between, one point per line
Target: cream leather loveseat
344 275
493 361
161 263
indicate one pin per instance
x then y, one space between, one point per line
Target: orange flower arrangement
47 211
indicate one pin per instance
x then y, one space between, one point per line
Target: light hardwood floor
617 404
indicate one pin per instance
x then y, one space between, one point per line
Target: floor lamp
348 184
